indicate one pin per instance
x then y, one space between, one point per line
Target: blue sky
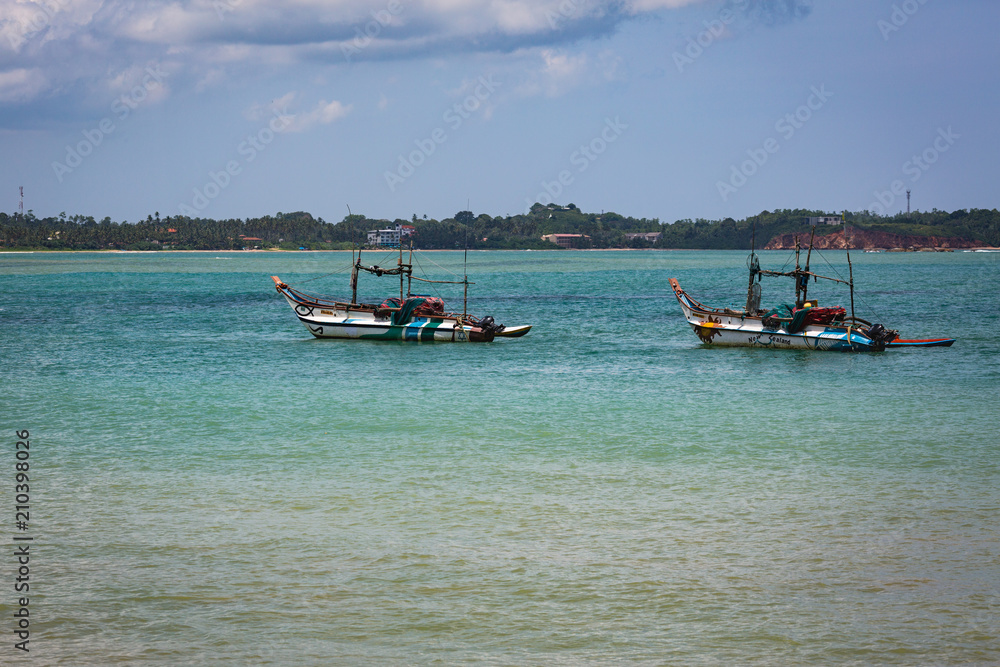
652 108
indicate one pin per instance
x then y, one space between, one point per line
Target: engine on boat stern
880 336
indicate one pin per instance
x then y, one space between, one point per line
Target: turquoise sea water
211 485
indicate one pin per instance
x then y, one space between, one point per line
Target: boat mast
754 269
465 282
798 286
804 279
850 268
399 263
850 271
409 276
800 274
354 276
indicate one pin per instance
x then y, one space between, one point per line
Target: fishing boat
410 317
802 326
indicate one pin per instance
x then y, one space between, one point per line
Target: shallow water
211 485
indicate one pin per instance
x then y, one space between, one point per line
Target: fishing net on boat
802 317
825 315
417 306
784 310
431 306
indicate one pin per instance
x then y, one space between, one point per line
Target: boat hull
364 325
746 334
331 319
734 329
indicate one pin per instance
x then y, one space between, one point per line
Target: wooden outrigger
806 326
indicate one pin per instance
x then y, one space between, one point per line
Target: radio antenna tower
907 202
20 205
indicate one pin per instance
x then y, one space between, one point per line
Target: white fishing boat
802 326
410 317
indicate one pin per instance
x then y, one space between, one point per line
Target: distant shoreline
376 250
385 250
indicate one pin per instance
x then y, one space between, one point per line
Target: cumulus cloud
20 85
638 6
323 113
561 71
772 12
49 47
280 106
556 72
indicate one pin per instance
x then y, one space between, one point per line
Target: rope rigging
874 313
399 269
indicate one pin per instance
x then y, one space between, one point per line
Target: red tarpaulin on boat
431 306
416 306
823 315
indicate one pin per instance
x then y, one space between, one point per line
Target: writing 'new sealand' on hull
718 328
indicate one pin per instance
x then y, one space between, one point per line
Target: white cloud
25 23
72 45
640 6
323 113
147 83
553 73
559 66
257 111
21 85
210 79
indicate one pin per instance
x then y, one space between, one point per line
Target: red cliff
863 238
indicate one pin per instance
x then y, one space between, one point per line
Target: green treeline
605 230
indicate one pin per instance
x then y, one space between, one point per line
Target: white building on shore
390 237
